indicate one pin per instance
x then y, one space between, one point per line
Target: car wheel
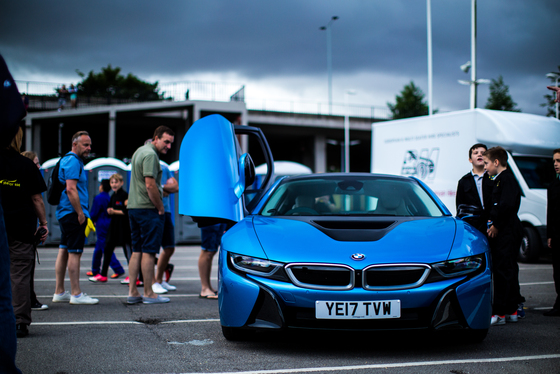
236 334
530 246
476 336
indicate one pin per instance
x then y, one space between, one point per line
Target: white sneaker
498 320
511 317
167 286
158 288
84 299
64 298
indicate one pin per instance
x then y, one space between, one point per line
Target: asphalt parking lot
184 336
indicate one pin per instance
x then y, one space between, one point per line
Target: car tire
236 334
476 336
530 246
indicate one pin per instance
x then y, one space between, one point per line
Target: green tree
111 83
550 105
410 103
499 98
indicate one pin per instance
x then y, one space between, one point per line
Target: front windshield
351 196
538 172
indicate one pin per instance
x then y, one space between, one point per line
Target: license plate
358 309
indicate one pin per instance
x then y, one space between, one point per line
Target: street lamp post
474 82
430 69
329 58
347 131
473 54
473 85
555 75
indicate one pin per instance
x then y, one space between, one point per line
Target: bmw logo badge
358 256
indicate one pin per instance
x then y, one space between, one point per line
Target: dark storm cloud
258 39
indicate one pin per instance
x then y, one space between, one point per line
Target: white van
435 149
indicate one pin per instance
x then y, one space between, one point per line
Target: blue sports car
344 251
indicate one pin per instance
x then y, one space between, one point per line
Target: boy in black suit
553 230
504 236
475 187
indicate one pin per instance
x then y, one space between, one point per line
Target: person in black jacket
553 231
504 236
12 111
21 185
475 187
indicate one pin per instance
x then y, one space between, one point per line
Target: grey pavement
184 336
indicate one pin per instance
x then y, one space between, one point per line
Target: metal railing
318 108
43 97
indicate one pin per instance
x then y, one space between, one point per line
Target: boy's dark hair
106 185
162 130
497 153
477 145
556 151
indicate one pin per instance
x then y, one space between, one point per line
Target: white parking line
115 282
216 279
182 267
393 365
192 320
125 296
119 322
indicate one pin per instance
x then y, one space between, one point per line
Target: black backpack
55 187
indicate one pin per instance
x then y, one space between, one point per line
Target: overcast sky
275 48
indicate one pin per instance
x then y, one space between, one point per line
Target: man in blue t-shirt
72 215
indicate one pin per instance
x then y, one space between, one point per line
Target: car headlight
254 265
461 266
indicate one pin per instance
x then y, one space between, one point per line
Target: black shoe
21 330
552 313
38 306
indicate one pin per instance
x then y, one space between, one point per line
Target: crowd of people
139 221
63 93
492 188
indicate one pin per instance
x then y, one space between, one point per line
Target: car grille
394 277
342 277
322 277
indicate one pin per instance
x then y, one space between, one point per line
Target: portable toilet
186 230
99 169
50 210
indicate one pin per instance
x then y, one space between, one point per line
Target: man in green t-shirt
146 214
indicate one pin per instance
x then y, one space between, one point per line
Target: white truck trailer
435 149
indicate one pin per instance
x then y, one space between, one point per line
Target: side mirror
250 173
465 211
246 174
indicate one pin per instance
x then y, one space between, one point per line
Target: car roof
345 175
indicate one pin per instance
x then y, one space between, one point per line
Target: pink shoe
98 278
125 280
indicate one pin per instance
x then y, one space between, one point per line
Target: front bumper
253 302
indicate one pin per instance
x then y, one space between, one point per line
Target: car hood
424 240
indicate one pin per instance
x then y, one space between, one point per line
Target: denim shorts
168 240
73 235
212 236
146 227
